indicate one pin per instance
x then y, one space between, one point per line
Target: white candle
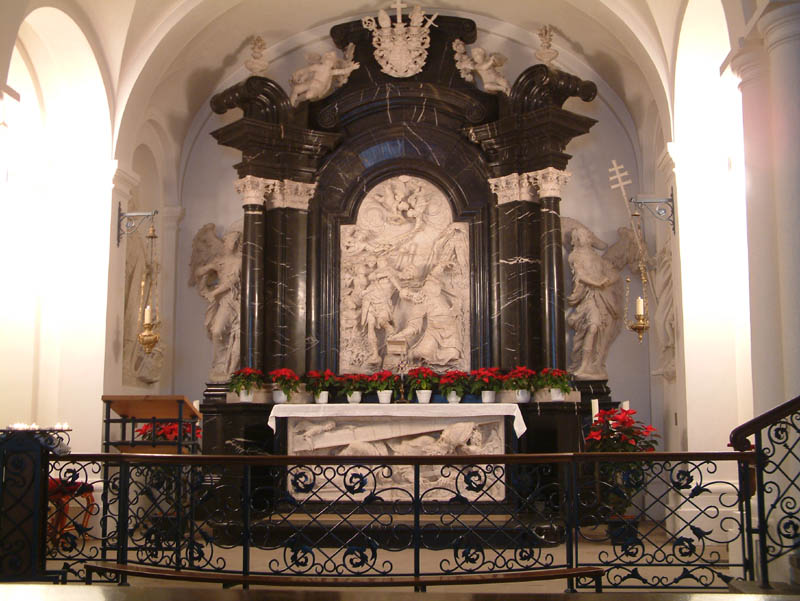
626 405
148 314
639 306
595 408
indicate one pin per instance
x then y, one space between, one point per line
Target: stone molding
253 189
548 181
780 25
511 188
124 184
749 63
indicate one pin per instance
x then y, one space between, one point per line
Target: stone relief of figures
596 311
216 269
664 315
364 437
486 65
138 368
404 281
322 75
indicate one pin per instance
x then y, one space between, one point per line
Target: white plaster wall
207 194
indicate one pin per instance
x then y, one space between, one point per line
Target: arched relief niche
458 184
404 270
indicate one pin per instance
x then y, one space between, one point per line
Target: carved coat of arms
401 49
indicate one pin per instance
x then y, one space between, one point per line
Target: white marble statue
216 269
486 65
322 75
596 300
401 50
257 64
404 280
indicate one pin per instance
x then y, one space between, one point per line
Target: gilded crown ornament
401 49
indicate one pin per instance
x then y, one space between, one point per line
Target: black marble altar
433 125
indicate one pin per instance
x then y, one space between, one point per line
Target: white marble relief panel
364 436
404 281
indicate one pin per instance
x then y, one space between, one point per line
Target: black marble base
594 389
215 393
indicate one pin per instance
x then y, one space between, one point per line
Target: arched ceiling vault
176 53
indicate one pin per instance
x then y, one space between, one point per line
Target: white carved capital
124 185
548 181
510 188
291 195
750 64
780 25
253 189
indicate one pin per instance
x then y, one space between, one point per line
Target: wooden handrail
740 433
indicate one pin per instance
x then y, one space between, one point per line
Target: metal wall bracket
661 208
127 223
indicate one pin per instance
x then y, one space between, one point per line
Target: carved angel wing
625 251
205 246
498 59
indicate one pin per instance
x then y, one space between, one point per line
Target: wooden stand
135 411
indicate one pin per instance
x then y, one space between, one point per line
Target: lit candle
595 408
66 425
626 405
640 306
148 314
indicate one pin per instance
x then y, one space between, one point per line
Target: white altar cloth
432 410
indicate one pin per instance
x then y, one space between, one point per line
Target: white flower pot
522 396
322 397
354 397
452 397
385 396
278 396
424 396
556 394
246 396
488 396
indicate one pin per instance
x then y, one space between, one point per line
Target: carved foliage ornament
400 49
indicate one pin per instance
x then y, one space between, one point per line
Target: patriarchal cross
399 6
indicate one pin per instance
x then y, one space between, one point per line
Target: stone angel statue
322 75
486 65
216 269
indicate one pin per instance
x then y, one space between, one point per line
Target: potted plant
556 383
245 382
616 431
353 386
487 381
384 383
521 380
287 382
454 385
422 380
320 384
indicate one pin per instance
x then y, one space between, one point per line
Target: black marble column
516 255
554 330
252 291
285 265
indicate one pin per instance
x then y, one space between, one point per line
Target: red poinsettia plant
350 383
486 378
286 379
553 378
246 379
520 378
167 431
421 378
454 381
616 431
384 380
316 382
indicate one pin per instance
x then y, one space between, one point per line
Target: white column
125 182
780 27
750 64
168 219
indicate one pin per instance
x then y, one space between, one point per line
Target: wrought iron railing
777 481
653 520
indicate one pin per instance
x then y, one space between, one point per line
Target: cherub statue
216 269
484 64
322 75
